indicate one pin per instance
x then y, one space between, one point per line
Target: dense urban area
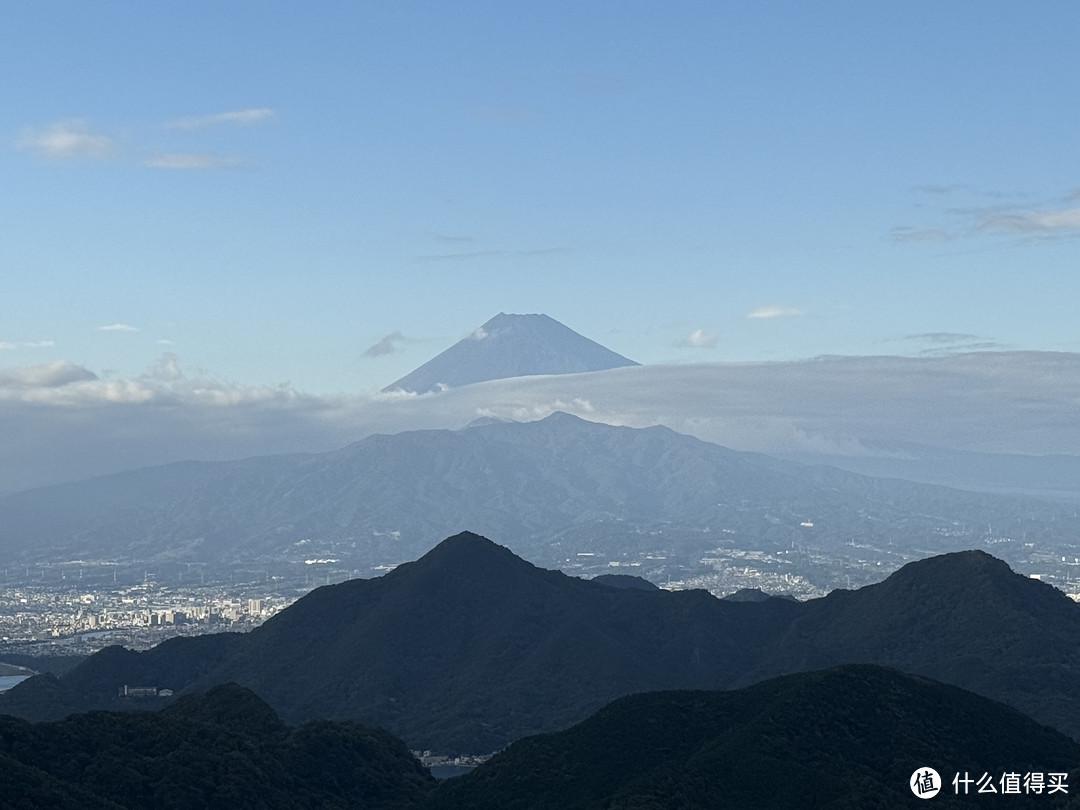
79 607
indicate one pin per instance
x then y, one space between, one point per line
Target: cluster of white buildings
37 614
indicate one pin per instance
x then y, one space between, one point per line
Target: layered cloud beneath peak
63 422
64 384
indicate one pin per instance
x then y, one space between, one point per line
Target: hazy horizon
981 402
229 226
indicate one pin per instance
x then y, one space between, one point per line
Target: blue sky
262 191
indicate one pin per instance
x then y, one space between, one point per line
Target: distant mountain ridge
510 346
1054 477
550 487
471 647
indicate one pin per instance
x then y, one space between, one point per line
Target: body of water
446 771
8 681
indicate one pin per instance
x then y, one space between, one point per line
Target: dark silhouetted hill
752 595
466 649
222 749
964 618
625 581
471 647
849 737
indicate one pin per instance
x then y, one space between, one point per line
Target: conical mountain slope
511 346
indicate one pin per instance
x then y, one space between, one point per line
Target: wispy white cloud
118 327
48 375
906 234
1061 222
942 343
600 82
462 257
943 337
65 139
61 421
550 251
774 312
253 115
698 339
30 344
388 345
167 369
962 348
938 188
74 139
494 254
65 383
1051 218
510 114
177 160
